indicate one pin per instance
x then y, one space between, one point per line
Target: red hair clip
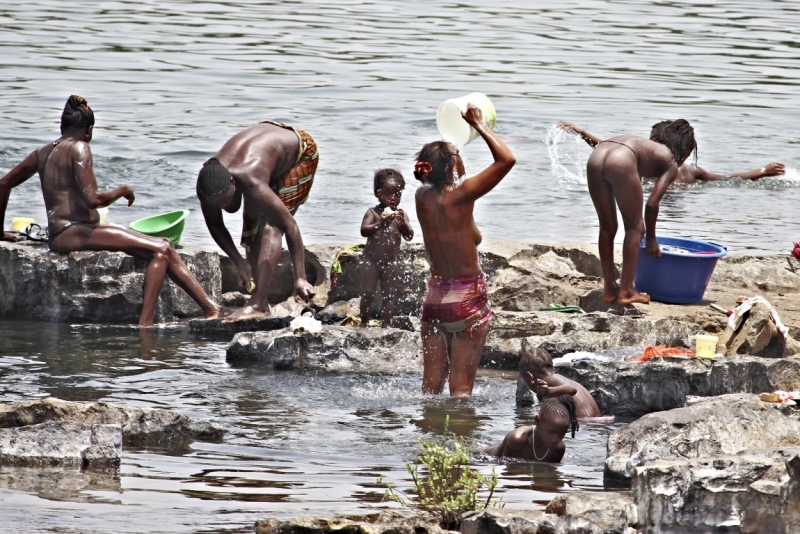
423 168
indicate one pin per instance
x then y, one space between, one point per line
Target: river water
171 80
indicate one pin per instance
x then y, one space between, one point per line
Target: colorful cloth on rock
293 187
457 304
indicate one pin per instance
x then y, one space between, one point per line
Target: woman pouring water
456 312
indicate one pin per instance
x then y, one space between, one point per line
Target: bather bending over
71 198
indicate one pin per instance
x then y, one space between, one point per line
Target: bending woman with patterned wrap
270 168
455 314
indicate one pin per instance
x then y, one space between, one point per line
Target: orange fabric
664 350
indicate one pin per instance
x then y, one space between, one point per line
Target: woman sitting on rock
456 310
71 198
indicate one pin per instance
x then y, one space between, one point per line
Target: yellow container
705 346
20 223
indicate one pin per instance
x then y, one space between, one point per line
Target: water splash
568 154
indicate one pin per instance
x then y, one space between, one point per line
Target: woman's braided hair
677 135
563 406
435 162
76 114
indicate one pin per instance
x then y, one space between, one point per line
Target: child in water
543 442
383 226
536 369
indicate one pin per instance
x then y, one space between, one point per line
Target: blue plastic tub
674 277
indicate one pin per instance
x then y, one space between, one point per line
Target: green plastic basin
165 225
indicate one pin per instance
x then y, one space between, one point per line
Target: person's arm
87 183
590 139
266 201
486 180
651 209
222 237
405 226
770 169
21 172
371 223
553 388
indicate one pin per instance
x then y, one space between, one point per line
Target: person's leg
263 257
606 207
466 349
627 188
434 356
369 282
389 292
159 252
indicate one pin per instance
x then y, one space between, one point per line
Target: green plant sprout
449 487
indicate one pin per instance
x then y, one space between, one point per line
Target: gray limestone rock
97 287
61 444
589 512
506 521
383 523
139 425
524 395
627 388
335 348
560 334
756 273
724 425
753 492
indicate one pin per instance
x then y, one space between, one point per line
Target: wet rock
95 287
343 307
383 523
524 395
63 444
139 425
591 512
636 388
406 322
218 329
751 492
505 521
560 334
725 425
335 348
234 299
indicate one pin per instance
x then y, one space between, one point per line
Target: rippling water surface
171 80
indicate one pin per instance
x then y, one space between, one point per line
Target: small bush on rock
449 487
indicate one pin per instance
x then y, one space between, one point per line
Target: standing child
383 226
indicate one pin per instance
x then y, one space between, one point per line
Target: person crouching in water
383 226
71 198
536 369
543 442
614 173
456 310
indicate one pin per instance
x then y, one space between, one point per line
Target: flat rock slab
217 327
560 333
637 388
335 348
383 523
139 425
724 425
61 444
750 492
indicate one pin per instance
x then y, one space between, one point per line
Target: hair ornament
423 167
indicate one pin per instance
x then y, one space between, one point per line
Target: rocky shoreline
705 453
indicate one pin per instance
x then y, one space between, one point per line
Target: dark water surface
297 443
171 80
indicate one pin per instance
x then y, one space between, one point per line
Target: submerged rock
724 425
561 333
62 444
637 388
60 484
750 492
335 348
139 425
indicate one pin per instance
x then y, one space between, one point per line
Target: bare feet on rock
634 297
218 312
611 293
243 314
